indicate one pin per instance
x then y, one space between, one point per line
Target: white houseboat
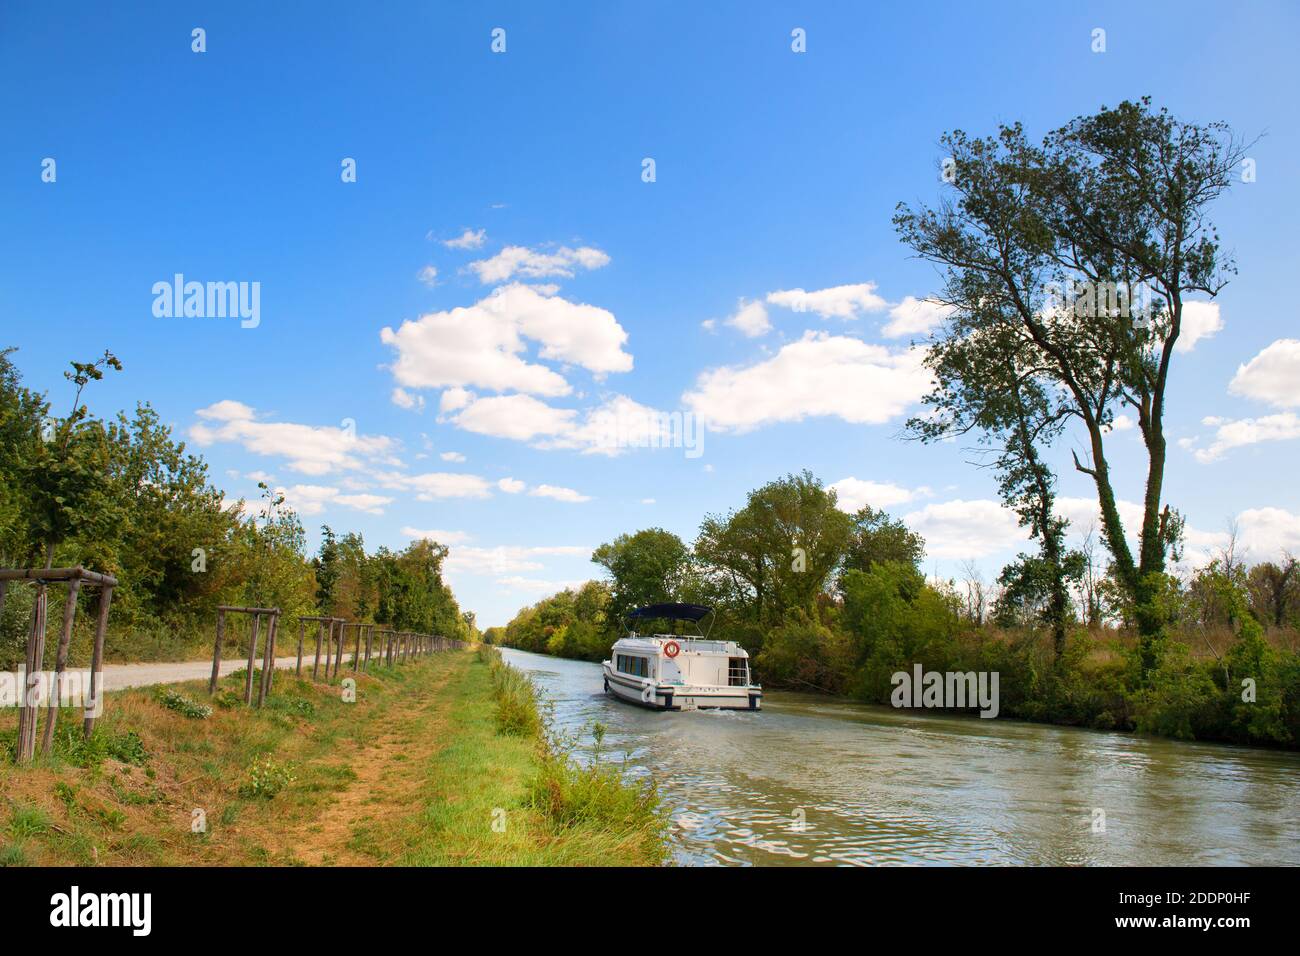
679 672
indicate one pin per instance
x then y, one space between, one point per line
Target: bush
175 700
516 698
267 779
71 744
1180 699
227 699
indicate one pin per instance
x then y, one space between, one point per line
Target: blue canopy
675 612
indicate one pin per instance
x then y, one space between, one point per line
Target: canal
816 781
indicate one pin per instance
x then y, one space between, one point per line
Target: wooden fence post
342 640
60 665
26 745
252 658
302 633
96 702
356 653
216 651
268 659
320 633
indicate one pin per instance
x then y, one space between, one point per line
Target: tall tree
780 550
1114 204
647 567
987 384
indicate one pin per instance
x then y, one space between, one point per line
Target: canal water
816 781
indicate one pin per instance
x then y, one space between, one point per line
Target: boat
679 672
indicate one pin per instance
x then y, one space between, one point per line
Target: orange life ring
672 649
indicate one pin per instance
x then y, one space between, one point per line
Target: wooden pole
216 651
336 648
302 633
320 634
25 747
60 665
95 704
356 653
252 658
268 660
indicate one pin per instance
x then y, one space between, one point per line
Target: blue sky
581 286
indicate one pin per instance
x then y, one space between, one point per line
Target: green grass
482 805
439 762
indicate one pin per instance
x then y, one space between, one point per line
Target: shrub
267 779
516 699
227 699
175 700
1180 698
71 745
597 794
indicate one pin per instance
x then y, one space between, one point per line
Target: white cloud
520 417
1122 423
452 456
227 410
538 585
647 501
371 504
966 529
1229 434
914 316
310 449
1272 376
818 375
750 319
455 398
1267 532
841 301
611 428
508 559
482 345
1262 533
313 499
853 494
559 494
433 485
428 275
404 399
1201 320
469 239
511 486
533 264
435 534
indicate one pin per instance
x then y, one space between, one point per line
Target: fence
331 637
34 659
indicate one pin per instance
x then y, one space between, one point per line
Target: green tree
780 550
877 537
1117 201
647 567
67 471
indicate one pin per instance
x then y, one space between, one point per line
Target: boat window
737 672
631 664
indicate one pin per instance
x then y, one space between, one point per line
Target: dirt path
389 777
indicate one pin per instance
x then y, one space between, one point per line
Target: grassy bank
418 771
